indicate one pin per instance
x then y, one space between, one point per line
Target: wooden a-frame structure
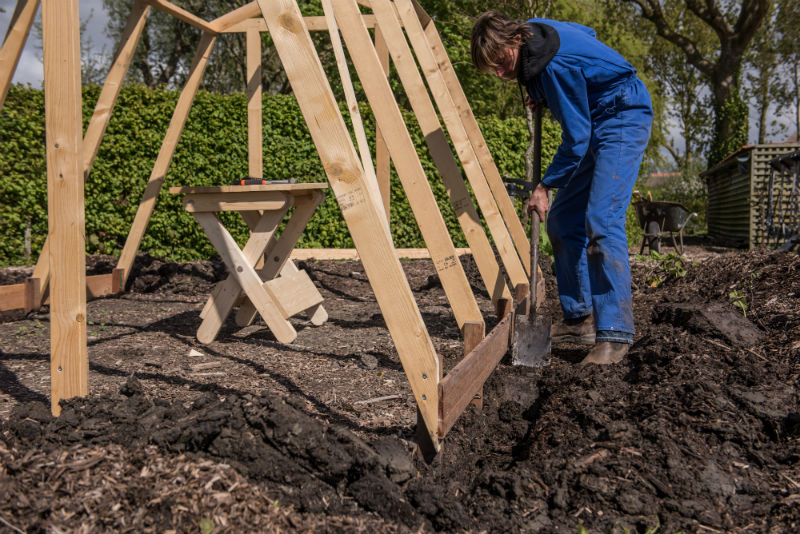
361 190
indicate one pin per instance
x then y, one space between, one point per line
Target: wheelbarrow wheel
653 232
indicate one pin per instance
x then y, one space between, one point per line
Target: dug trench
698 430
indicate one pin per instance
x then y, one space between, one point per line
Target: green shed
737 193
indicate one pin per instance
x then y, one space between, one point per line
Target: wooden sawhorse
253 282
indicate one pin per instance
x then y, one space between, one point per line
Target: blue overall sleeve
568 100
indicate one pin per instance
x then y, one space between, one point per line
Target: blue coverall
605 115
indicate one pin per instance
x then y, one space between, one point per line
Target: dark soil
698 430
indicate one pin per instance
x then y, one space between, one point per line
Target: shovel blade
531 346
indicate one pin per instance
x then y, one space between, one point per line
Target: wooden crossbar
14 42
313 23
25 296
458 387
181 14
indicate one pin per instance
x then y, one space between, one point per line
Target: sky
30 69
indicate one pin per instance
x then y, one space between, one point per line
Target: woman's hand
539 201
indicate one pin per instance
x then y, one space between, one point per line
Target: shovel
531 332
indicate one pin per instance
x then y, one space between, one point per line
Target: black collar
537 51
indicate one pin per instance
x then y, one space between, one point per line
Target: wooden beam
12 297
181 14
236 16
25 296
255 143
521 240
101 116
340 160
293 292
250 201
448 167
457 389
165 155
69 361
473 334
382 160
113 84
313 24
404 154
352 254
352 106
17 34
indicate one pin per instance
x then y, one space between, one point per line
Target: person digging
605 115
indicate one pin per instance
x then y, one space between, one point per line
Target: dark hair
492 33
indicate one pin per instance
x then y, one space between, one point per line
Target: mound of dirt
698 430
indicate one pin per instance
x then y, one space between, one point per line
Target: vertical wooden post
255 150
101 116
473 334
69 361
404 154
165 155
382 159
17 34
363 216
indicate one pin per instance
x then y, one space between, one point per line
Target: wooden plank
339 158
352 106
236 16
181 14
314 23
240 265
33 300
317 314
116 76
294 292
448 167
473 334
12 297
14 42
352 254
521 242
69 361
255 145
268 200
404 154
278 250
382 160
101 285
165 155
102 114
291 189
458 387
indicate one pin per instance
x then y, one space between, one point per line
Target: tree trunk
730 114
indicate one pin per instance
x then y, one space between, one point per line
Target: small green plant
206 526
739 300
671 265
22 331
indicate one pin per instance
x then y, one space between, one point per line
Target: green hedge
212 151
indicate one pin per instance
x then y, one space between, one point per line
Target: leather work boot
606 353
581 333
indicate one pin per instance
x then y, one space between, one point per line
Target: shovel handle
535 221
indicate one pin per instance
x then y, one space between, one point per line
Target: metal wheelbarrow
661 219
